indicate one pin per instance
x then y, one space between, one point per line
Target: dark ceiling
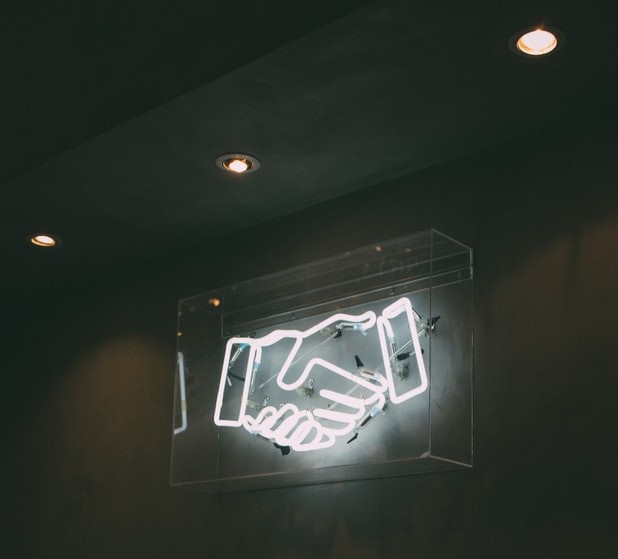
113 113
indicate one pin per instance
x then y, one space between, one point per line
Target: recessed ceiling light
237 163
537 42
43 240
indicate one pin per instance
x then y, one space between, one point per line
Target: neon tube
403 305
367 319
183 395
302 430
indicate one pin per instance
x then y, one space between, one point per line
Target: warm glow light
302 430
237 165
537 42
214 302
43 241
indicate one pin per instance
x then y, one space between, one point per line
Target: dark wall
88 367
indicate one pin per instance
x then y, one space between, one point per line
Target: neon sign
347 400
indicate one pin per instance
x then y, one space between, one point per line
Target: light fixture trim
237 163
44 240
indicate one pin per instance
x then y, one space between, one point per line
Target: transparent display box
353 367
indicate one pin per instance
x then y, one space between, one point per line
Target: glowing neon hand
288 425
318 427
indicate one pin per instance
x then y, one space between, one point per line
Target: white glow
385 331
183 395
361 322
302 430
248 372
289 426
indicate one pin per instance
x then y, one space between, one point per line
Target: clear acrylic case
352 367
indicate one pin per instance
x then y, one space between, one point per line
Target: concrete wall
88 373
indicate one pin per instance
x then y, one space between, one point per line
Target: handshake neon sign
321 402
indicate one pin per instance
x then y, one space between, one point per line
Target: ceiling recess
237 163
